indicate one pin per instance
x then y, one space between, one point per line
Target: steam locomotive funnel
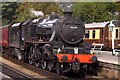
67 11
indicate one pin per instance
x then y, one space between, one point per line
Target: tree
24 13
47 7
93 11
8 12
117 13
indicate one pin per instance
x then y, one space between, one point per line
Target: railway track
105 70
41 74
13 73
50 75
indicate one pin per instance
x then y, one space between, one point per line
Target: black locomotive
52 42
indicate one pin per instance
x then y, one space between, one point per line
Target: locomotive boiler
67 31
52 43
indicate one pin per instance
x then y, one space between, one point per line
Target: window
116 33
93 34
87 33
119 32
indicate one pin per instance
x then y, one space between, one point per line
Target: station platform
106 56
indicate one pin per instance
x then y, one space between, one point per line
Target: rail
13 73
36 73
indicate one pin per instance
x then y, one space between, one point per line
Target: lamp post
111 29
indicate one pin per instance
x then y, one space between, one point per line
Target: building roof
116 23
102 24
96 25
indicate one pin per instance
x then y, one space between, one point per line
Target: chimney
67 8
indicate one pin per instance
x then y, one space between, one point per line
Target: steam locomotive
52 43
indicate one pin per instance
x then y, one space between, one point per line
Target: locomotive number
73 27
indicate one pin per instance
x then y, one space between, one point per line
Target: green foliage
118 6
24 13
47 7
118 10
8 12
87 11
93 11
18 12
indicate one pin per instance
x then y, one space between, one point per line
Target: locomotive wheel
8 53
26 57
37 64
44 64
30 57
37 57
84 71
50 68
58 68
